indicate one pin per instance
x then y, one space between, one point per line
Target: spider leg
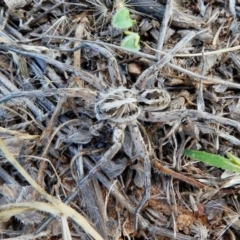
155 68
118 137
180 114
143 152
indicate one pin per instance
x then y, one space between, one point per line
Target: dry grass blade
194 75
61 207
167 171
19 134
13 209
153 70
105 128
65 67
162 32
70 92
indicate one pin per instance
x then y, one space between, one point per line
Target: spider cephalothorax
119 105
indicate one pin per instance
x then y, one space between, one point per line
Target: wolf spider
118 105
121 107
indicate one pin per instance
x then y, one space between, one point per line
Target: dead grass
51 139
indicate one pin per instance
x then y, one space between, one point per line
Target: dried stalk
60 206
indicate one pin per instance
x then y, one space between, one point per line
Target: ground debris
103 128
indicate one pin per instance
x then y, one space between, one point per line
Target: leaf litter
50 68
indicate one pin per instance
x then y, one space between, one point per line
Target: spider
119 106
115 104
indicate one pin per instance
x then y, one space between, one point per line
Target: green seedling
131 41
233 158
122 19
231 163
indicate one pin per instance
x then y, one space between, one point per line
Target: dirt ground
93 132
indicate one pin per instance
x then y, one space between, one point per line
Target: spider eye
154 99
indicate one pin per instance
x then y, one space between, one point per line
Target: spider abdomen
154 99
119 106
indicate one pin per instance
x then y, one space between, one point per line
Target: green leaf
214 160
122 19
234 159
131 41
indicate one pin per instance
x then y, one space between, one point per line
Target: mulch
56 59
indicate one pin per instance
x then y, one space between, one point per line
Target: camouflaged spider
122 107
115 104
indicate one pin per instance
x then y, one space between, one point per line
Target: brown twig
179 176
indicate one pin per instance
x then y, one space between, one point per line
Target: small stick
86 76
63 92
140 54
200 99
177 175
45 137
39 16
163 29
